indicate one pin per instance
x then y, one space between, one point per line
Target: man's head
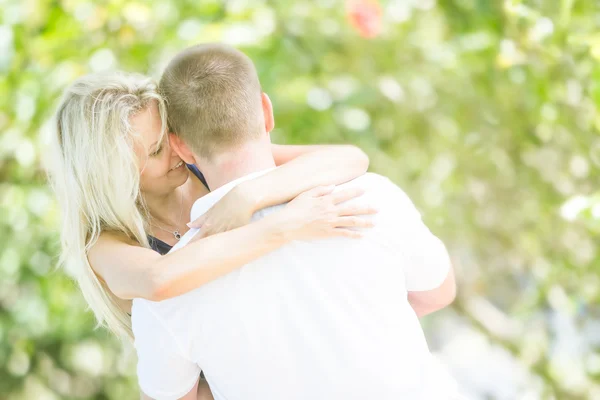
214 100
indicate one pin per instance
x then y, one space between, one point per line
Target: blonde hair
213 97
96 178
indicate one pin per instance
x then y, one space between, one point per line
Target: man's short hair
213 98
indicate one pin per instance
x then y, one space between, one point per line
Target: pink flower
365 17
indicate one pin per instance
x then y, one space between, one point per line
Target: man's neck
236 164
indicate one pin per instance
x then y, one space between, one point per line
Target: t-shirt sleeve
424 258
163 371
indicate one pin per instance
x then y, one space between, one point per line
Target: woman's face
161 169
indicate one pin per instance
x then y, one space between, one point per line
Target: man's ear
182 149
268 112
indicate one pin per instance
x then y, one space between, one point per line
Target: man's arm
428 272
427 294
430 277
428 301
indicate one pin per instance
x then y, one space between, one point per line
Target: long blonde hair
96 178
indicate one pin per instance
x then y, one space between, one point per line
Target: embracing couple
284 286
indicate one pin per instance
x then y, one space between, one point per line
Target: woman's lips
179 164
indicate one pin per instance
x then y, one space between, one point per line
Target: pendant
177 235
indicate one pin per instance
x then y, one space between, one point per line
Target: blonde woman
125 197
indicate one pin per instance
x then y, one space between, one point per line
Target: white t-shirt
319 320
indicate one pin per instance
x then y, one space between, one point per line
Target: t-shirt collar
202 204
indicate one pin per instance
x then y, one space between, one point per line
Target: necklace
175 233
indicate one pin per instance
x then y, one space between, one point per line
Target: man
331 319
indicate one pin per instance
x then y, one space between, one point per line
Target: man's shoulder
372 182
383 193
369 179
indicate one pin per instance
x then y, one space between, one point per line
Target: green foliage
484 111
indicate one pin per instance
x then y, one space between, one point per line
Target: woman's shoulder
114 257
111 237
107 243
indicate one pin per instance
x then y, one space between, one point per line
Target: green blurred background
484 111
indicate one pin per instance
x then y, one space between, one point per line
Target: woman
125 196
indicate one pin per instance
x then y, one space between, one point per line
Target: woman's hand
319 213
235 209
314 214
306 167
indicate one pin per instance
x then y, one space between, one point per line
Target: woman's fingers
352 222
319 191
356 210
343 232
198 222
206 231
346 194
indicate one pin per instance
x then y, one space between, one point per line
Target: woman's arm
305 167
131 271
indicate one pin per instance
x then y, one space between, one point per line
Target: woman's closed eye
157 151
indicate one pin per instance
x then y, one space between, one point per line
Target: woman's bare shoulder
110 248
123 265
109 239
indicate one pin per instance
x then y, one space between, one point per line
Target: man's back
327 319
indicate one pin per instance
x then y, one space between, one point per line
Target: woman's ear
268 112
182 149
